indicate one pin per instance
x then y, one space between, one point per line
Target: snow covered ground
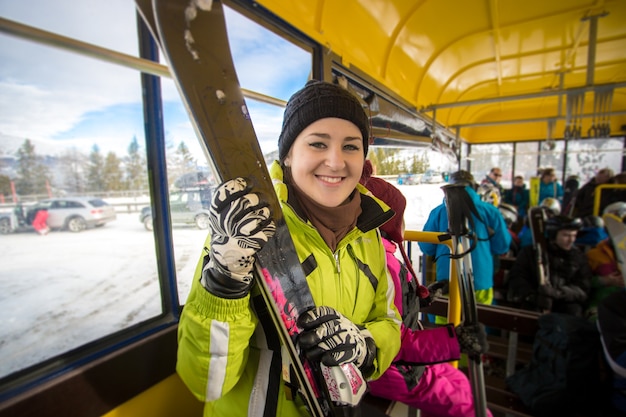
65 289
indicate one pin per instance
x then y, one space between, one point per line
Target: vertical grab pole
455 305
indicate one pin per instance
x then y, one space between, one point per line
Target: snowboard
192 36
617 233
460 208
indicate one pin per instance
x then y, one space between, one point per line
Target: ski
537 223
192 36
570 190
460 208
617 233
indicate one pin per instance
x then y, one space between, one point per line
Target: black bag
410 299
612 324
564 373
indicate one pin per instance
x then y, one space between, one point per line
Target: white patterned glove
331 338
240 224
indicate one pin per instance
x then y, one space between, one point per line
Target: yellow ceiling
444 52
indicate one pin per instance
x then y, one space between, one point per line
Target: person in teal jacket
228 354
493 239
549 186
421 375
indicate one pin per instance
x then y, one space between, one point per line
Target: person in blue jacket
519 196
493 239
549 186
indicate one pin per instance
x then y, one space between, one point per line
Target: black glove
331 338
472 339
571 293
240 225
548 291
436 289
439 288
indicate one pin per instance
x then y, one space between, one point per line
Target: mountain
9 146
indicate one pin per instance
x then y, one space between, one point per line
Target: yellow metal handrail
598 195
441 238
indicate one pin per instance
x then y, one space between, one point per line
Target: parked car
432 177
68 213
408 179
187 207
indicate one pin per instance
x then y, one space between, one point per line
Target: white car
432 177
68 213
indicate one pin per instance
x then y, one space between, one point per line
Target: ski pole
460 208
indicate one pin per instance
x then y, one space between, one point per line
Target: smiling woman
76 126
89 110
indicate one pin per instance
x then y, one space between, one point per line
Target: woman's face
326 160
549 177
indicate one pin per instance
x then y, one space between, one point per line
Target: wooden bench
513 323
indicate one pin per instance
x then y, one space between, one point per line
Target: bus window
485 157
75 127
551 155
586 157
526 160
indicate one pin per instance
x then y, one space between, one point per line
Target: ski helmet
489 194
618 208
592 222
552 204
509 212
561 222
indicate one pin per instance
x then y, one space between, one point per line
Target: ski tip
455 188
611 218
144 7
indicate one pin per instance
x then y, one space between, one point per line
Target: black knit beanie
317 100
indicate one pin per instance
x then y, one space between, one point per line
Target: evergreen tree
5 185
136 176
383 159
372 155
95 171
32 174
187 161
419 163
399 166
181 162
74 166
112 174
388 162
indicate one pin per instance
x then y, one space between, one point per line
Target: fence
123 201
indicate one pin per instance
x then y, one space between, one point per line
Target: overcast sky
54 96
